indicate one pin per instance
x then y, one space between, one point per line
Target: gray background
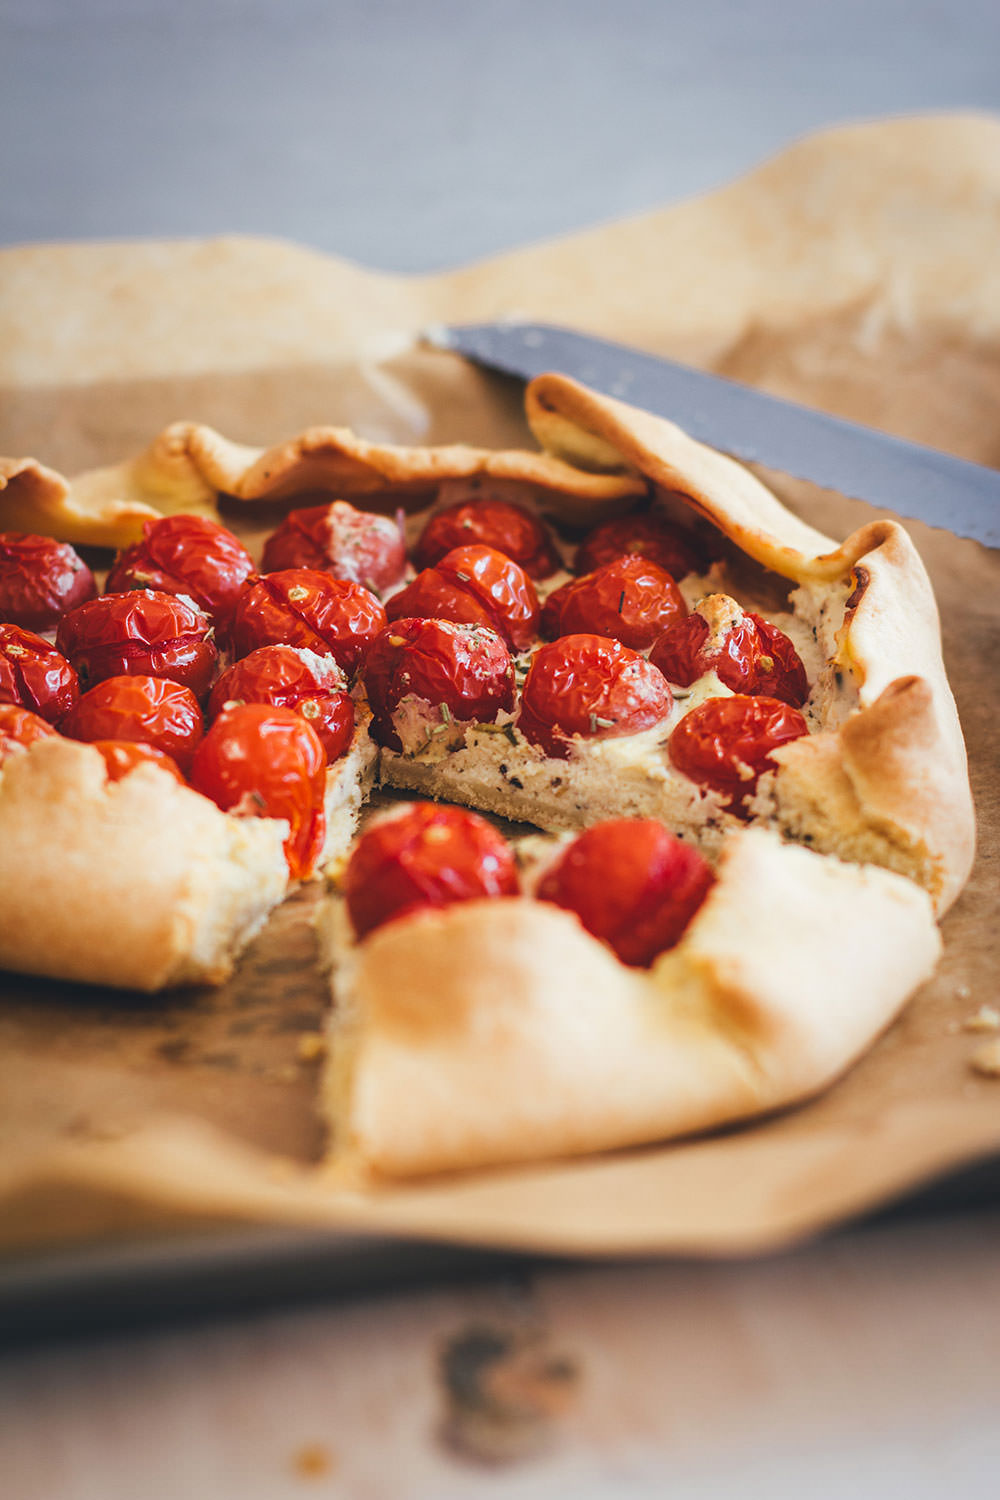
415 136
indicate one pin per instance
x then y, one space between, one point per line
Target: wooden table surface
868 1364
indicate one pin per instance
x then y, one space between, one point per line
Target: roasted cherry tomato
153 710
423 856
302 607
629 600
587 686
465 671
19 728
293 677
726 743
336 538
645 534
632 884
122 756
40 579
264 762
473 585
35 674
143 632
747 653
185 555
500 524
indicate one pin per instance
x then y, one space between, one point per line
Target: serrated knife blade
908 478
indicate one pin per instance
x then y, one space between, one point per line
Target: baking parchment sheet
856 272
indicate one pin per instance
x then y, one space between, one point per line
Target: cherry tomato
122 756
630 600
473 585
466 670
35 675
500 524
632 884
40 579
752 656
726 743
293 677
153 710
551 616
423 856
647 535
339 539
185 555
19 728
589 687
302 607
263 762
143 632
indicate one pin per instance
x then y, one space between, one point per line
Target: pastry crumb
312 1046
986 1018
986 1059
313 1461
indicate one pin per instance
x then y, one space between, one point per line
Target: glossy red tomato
632 884
122 756
153 710
753 656
19 728
143 632
303 607
726 743
263 762
630 600
292 677
646 534
587 686
465 671
500 524
40 579
423 856
337 538
473 585
35 674
185 555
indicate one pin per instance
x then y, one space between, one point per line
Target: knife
909 478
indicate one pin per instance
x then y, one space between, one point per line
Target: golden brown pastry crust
140 883
500 1031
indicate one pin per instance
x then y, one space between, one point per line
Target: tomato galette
623 637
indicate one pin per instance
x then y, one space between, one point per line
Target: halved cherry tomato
19 728
185 555
292 677
753 656
143 632
646 534
726 743
302 607
589 687
473 585
122 756
424 856
154 710
630 600
263 762
632 884
35 675
464 669
40 579
337 538
500 524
